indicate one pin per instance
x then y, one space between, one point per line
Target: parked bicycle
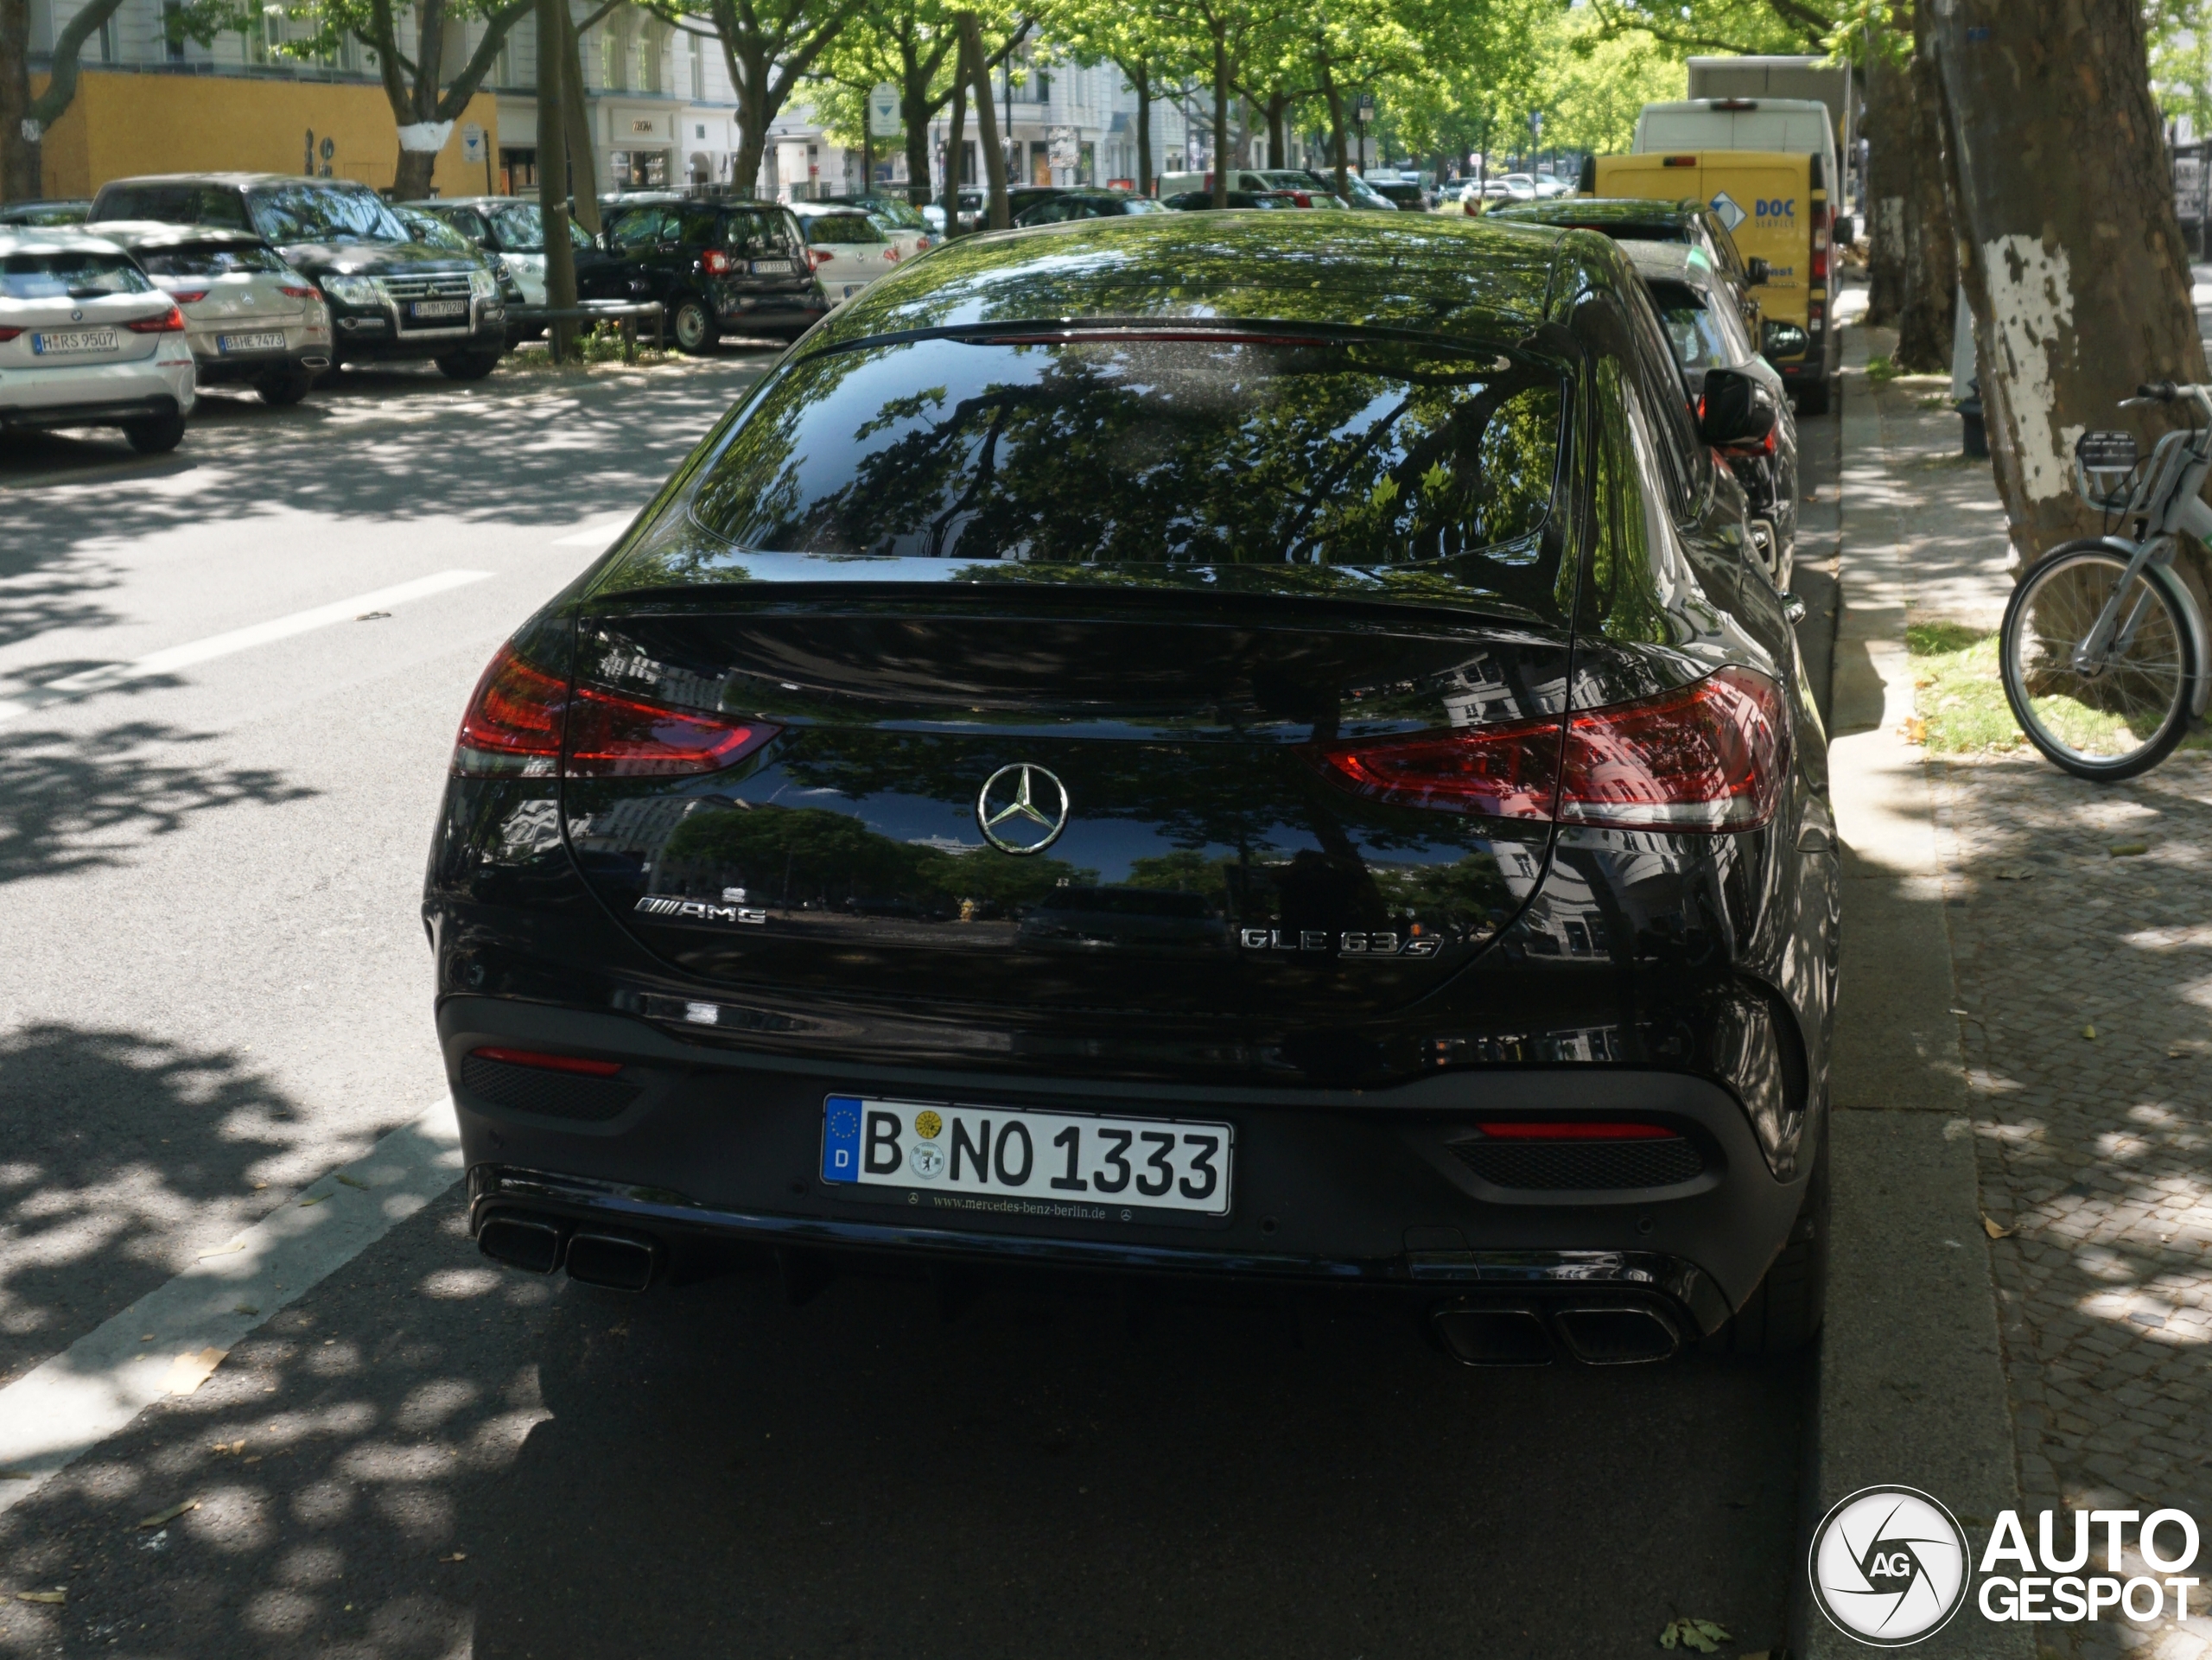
2104 653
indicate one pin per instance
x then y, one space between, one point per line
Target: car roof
1430 274
154 233
240 181
55 238
829 210
1668 262
1604 210
429 203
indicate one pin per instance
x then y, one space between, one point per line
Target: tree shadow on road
76 801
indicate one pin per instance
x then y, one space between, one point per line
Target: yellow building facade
122 125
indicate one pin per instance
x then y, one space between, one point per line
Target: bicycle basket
2104 469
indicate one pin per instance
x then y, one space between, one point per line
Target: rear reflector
1566 1129
550 1063
1708 756
522 720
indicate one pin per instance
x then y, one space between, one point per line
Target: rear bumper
303 349
1336 1188
98 394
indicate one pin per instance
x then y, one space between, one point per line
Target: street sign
883 111
1535 123
1363 112
472 145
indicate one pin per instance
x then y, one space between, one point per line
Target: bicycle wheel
2124 712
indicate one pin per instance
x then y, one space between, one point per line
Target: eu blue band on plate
840 1138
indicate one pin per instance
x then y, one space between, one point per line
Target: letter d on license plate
1052 1158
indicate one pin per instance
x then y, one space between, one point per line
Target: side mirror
1734 408
1846 230
1758 270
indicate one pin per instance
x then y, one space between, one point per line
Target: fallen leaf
372 616
59 1595
350 1182
458 1556
1699 1634
235 1246
169 1515
2177 1054
245 1308
1915 730
251 1458
2090 1032
317 1199
2128 849
229 1450
189 1371
1923 683
2016 873
1993 1230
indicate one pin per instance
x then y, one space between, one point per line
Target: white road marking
594 535
61 1410
110 676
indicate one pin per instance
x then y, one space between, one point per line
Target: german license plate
771 268
1021 1161
69 340
249 342
423 310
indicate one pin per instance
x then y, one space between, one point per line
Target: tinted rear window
304 212
209 259
175 204
1179 450
69 276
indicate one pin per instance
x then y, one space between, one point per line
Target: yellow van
1776 206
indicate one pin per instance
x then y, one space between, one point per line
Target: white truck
1835 85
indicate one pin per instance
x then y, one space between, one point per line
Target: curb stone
1910 1386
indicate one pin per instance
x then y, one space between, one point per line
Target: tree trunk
749 69
576 123
1140 82
955 142
1336 128
987 119
915 74
1927 298
1278 138
1891 162
2074 264
553 173
1220 115
24 119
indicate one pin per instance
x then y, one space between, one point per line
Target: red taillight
891 254
550 1063
291 293
819 256
612 736
922 245
1560 1129
185 296
1680 161
1304 199
715 262
170 323
1707 757
521 716
10 333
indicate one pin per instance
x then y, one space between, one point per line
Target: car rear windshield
69 274
1623 229
209 259
305 213
842 227
174 202
1177 449
520 228
755 233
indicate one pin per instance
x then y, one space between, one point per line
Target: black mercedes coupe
1246 745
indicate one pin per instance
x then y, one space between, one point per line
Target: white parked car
249 317
87 340
849 249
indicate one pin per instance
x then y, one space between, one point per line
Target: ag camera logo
1888 1566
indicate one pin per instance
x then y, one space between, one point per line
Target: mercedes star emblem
1008 814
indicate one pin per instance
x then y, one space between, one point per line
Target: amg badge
666 905
1344 944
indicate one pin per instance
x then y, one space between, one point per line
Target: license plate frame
437 311
264 341
864 1158
771 268
74 342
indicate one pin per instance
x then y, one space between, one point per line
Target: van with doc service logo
1776 205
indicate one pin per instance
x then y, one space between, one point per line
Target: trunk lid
1204 865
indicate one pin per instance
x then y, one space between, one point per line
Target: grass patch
1957 692
1881 370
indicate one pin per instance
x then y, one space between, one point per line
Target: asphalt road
214 988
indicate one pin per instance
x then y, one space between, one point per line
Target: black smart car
392 297
1225 745
717 267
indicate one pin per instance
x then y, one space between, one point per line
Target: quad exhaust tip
613 1258
1625 1334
